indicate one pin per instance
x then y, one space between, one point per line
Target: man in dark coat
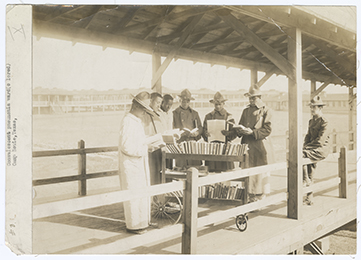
256 122
315 146
218 113
186 117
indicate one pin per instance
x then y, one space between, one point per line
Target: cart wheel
166 209
241 222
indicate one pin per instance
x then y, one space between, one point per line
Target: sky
61 64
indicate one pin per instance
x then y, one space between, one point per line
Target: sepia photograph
181 129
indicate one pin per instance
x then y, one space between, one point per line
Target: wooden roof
245 37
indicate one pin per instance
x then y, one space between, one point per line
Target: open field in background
101 129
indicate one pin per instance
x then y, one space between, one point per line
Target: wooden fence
190 190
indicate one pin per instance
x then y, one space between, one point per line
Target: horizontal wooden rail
74 178
65 206
74 151
225 214
240 173
320 186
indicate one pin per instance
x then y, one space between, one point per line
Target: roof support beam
257 42
319 90
266 77
294 175
178 45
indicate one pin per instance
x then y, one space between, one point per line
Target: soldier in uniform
256 119
218 113
186 117
315 146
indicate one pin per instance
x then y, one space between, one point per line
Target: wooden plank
129 242
169 18
74 151
343 173
48 181
240 173
262 46
90 201
337 57
126 19
59 11
210 157
177 46
92 15
294 175
320 186
313 87
231 213
319 90
190 213
254 76
82 169
266 77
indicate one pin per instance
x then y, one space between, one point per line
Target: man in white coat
133 164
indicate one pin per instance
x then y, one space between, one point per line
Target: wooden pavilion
282 40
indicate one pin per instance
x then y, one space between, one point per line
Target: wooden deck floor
102 230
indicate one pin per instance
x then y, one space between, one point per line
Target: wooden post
351 119
163 166
156 63
254 77
342 173
334 141
190 213
294 175
313 87
82 169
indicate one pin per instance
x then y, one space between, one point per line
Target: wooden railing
82 176
190 190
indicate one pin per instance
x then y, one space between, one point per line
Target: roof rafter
257 42
333 55
168 18
178 45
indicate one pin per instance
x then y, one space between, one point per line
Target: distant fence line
56 107
83 176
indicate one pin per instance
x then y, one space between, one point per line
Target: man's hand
226 133
195 134
247 131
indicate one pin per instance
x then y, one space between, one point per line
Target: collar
135 118
222 112
189 108
259 103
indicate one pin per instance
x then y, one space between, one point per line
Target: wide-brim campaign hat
218 97
254 91
140 98
186 94
316 101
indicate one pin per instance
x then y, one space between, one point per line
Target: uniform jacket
223 114
187 118
217 166
258 118
316 141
